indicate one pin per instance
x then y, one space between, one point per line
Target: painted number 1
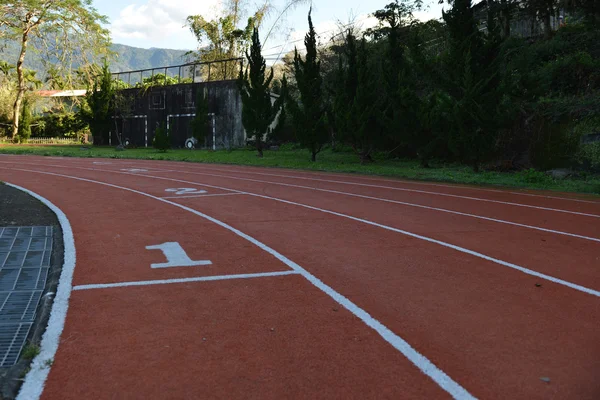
176 256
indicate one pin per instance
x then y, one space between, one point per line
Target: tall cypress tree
258 111
200 123
472 82
310 113
97 108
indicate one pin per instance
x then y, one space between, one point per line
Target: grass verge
330 161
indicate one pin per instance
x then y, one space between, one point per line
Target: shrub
162 140
588 156
533 176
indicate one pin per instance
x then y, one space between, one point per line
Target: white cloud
161 21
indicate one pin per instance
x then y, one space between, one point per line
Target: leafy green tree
96 109
75 24
225 38
310 113
258 110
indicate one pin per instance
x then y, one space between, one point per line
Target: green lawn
330 161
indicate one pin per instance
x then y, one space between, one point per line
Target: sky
161 23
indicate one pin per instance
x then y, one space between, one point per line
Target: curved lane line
401 203
420 361
234 191
36 378
400 182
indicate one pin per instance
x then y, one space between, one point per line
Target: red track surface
474 311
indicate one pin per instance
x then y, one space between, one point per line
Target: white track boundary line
380 187
237 192
183 280
36 377
405 204
414 235
365 221
420 361
458 186
415 191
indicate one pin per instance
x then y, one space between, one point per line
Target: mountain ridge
128 58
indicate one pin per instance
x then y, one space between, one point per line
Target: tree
309 113
96 110
69 23
283 131
229 35
258 110
356 99
200 122
223 38
26 120
162 139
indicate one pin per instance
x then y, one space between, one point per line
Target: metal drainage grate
24 264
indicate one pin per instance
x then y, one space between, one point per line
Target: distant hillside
128 58
132 58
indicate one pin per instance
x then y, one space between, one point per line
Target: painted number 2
176 256
186 191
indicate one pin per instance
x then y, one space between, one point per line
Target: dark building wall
175 106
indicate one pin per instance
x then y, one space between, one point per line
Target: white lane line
414 235
428 239
183 280
236 192
40 366
405 204
387 187
400 182
408 190
203 195
419 360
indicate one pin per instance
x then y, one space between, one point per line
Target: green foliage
357 102
225 37
96 110
159 79
30 351
162 139
283 132
310 114
200 124
588 156
532 176
37 23
59 125
258 111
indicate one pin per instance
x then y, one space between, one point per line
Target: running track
319 286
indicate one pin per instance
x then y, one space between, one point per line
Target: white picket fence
45 140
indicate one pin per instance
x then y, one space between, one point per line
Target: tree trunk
259 147
313 156
21 88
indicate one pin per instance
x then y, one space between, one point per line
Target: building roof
61 93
